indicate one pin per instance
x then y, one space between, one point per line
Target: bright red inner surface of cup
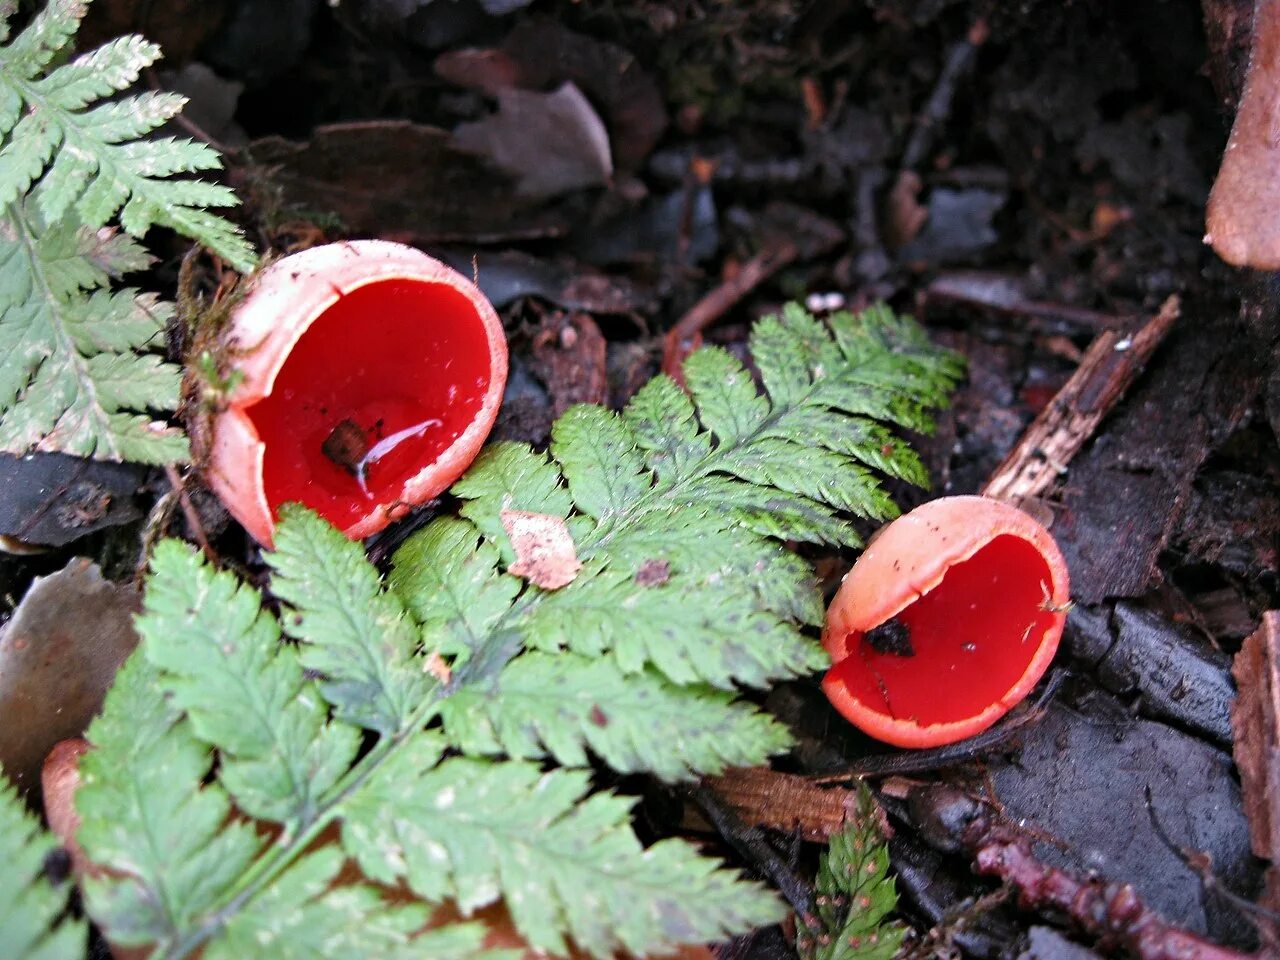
974 635
406 362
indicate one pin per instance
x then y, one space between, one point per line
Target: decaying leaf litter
1028 180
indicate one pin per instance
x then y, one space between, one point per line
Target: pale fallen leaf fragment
545 555
552 143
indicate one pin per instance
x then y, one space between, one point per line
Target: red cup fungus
946 622
370 375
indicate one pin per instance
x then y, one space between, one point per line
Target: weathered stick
1112 362
1108 911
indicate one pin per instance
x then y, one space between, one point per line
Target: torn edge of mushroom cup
366 376
946 622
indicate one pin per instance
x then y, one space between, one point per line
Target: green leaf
711 634
355 635
33 922
598 456
242 690
72 380
301 916
855 894
564 705
448 577
663 421
56 136
164 837
510 476
727 401
565 863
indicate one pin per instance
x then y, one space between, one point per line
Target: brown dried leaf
569 354
545 554
786 802
539 54
370 174
552 143
58 655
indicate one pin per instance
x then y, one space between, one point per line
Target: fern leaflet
855 894
81 374
32 923
70 380
86 155
212 675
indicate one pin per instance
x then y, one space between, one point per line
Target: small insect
1047 604
892 637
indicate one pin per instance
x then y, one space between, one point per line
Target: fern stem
269 866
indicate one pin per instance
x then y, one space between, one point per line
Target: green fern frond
304 915
357 637
701 486
681 598
212 679
147 815
564 862
32 910
855 894
58 141
73 379
566 705
242 689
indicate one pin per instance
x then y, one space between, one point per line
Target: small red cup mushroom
370 376
946 622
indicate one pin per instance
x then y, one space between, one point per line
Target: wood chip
1112 362
1255 720
545 554
781 801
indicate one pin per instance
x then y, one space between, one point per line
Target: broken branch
1112 362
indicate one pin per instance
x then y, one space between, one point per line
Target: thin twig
959 63
756 850
686 335
189 511
1112 362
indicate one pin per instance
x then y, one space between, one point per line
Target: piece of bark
785 802
1128 488
1255 717
1240 223
1111 364
1083 777
570 356
1134 652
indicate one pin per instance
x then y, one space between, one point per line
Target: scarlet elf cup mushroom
370 376
946 622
